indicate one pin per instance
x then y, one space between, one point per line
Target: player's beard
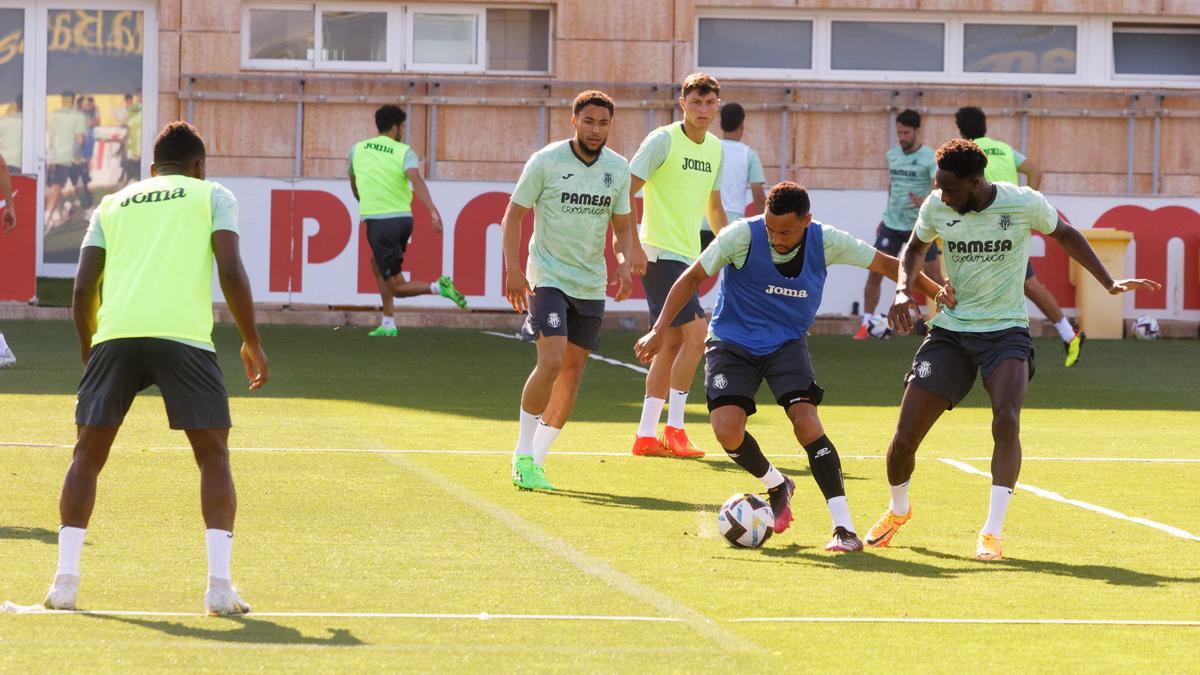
583 146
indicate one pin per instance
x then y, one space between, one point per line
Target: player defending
7 358
679 166
741 171
576 186
910 170
985 228
153 243
385 175
1006 164
775 267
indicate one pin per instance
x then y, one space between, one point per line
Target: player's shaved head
178 143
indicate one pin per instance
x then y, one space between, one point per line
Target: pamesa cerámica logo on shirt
977 251
584 203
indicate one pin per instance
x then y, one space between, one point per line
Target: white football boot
62 592
7 358
222 599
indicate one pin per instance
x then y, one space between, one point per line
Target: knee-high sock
826 467
750 457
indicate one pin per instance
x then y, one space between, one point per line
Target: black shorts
57 174
189 378
890 241
388 238
660 276
946 361
706 238
732 375
1029 269
552 312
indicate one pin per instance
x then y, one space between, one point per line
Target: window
888 45
354 36
371 35
755 43
281 34
518 40
1018 48
1140 49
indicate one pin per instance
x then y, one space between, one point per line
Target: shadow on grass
250 631
1110 574
628 501
39 534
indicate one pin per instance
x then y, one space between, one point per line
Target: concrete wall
651 41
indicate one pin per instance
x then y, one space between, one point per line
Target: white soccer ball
877 327
1145 328
746 521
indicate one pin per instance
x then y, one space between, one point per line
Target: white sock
542 440
1065 330
899 505
675 408
839 511
220 553
997 508
528 426
772 478
651 410
866 318
434 290
3 344
387 322
70 546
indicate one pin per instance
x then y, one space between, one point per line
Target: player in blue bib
775 268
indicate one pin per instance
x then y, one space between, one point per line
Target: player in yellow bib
1006 164
678 167
385 175
154 243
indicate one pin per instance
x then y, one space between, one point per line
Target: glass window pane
281 34
445 38
354 36
12 84
888 45
754 43
93 118
1164 50
518 39
1005 48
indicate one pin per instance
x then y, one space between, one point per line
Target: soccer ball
1145 328
877 327
746 521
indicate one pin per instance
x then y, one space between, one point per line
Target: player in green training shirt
575 187
679 167
1007 164
910 180
385 175
985 229
153 244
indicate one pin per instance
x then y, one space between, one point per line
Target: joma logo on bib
789 292
690 164
154 196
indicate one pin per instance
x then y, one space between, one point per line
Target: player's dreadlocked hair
178 143
961 157
701 83
788 197
594 97
971 122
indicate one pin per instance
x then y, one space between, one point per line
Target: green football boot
1072 348
539 479
523 472
380 331
447 290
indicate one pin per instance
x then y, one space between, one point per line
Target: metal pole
433 141
1024 132
408 115
1130 131
1157 150
298 164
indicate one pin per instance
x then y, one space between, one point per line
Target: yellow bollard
1101 316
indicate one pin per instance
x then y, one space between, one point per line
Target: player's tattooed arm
85 302
1077 246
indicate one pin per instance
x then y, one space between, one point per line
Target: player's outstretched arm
683 288
421 192
622 225
85 301
1077 246
236 288
890 267
516 286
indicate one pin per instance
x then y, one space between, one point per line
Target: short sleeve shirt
732 246
650 155
909 174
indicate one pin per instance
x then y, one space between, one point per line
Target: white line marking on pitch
481 616
582 561
595 357
1163 460
1054 496
905 619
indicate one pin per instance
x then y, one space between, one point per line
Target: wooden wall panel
607 61
209 53
247 129
615 21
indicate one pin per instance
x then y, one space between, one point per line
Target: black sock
826 467
749 456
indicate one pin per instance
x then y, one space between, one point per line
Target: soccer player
985 229
741 171
385 175
65 130
7 358
910 171
153 244
775 267
575 186
1006 164
679 166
